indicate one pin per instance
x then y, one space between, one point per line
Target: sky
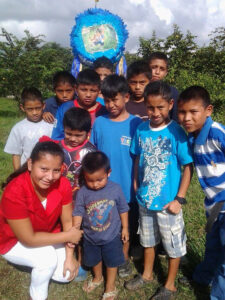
56 18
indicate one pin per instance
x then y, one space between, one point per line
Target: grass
14 283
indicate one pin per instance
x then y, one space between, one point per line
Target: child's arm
48 117
77 220
136 163
174 206
125 232
16 160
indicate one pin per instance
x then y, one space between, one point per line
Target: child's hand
70 245
48 117
125 235
174 207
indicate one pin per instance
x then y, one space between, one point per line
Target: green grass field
14 283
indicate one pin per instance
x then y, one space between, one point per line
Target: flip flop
110 294
91 286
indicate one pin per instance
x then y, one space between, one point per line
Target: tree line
32 61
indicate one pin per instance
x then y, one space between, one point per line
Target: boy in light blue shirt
161 148
112 134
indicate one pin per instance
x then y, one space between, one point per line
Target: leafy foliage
190 64
29 62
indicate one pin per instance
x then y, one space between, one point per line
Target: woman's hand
74 235
71 265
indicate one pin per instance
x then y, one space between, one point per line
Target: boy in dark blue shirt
87 88
101 207
64 87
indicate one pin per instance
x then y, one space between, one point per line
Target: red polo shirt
19 201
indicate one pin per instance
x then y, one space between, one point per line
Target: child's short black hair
139 67
158 88
197 93
94 161
63 77
89 77
103 62
30 94
158 55
77 119
114 84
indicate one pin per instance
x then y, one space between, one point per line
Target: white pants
46 263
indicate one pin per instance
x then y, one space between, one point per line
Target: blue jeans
212 269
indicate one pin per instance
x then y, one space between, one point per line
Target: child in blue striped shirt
207 139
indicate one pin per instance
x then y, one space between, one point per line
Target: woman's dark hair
39 150
77 119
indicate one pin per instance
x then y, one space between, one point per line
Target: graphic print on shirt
72 165
156 158
99 213
125 140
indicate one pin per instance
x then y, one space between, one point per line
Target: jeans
212 269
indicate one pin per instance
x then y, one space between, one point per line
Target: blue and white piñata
98 33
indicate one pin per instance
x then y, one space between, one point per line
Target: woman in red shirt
36 202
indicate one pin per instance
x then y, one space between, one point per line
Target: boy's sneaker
136 283
125 270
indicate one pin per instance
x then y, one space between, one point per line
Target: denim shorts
111 253
156 226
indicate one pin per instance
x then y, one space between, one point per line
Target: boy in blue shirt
102 209
87 89
112 134
64 85
207 139
161 148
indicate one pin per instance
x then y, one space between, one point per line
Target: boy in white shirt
26 133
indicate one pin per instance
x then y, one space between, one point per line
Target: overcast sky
55 18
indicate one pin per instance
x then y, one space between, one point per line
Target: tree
29 62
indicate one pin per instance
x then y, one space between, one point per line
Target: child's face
74 138
192 115
87 95
137 85
103 72
64 92
33 110
117 105
159 69
97 180
158 110
45 171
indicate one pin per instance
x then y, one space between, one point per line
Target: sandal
90 286
112 295
163 294
136 283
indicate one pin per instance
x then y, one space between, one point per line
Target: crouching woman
36 220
